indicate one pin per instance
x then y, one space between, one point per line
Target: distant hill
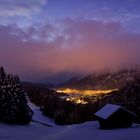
109 80
41 85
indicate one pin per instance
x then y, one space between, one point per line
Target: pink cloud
78 45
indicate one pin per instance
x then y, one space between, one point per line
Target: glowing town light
77 96
85 92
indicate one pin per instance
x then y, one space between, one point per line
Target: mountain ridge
107 80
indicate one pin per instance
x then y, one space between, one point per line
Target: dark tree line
14 107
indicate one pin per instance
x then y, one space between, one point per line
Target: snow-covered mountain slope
85 131
114 80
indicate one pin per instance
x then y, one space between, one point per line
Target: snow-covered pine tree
13 102
24 113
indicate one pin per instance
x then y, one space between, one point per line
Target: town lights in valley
77 96
85 92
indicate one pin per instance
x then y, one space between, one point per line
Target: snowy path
85 131
38 116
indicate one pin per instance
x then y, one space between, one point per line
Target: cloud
73 46
10 8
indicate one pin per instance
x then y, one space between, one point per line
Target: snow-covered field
85 131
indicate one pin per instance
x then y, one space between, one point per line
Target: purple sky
44 40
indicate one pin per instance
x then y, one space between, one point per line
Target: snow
107 111
38 115
88 130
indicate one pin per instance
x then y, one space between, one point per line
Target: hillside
114 80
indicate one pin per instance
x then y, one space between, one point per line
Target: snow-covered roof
107 111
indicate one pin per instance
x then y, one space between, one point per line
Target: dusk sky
42 40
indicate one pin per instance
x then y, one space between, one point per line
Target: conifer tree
2 73
13 100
